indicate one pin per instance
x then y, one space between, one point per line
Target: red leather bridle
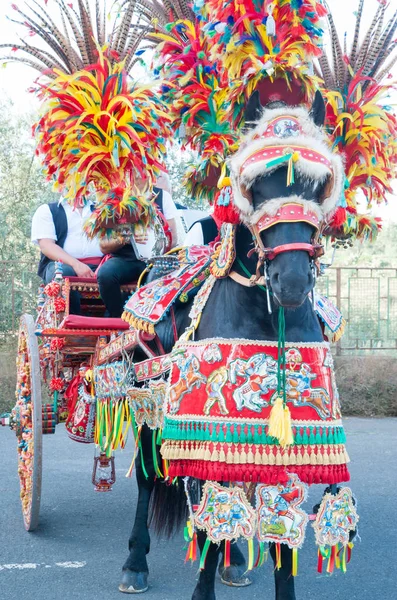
290 212
314 250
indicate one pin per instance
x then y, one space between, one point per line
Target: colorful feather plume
268 39
100 135
214 63
362 127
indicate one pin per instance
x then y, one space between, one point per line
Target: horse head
286 185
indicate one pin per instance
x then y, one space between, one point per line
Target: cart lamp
104 473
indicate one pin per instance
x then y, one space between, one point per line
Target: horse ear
317 111
253 110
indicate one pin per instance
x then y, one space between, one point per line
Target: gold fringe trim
255 454
338 334
138 324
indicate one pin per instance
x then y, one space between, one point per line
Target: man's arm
50 249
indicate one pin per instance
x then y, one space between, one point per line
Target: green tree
22 189
178 162
22 185
380 253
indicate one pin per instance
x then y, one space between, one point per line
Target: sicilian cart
250 415
57 353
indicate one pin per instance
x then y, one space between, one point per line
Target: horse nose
291 286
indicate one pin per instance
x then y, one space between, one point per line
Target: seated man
57 229
124 266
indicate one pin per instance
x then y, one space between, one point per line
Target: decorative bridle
290 212
285 137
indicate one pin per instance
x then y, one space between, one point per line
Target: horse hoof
133 582
234 576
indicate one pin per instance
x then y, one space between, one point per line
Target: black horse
237 311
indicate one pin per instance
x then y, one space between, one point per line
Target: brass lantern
104 473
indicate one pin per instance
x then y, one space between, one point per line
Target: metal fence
367 298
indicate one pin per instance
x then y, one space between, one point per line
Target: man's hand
83 270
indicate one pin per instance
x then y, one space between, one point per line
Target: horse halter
290 212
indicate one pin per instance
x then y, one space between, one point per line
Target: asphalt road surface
81 544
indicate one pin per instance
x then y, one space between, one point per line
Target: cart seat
102 323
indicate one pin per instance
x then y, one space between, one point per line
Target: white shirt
194 236
76 244
169 211
190 215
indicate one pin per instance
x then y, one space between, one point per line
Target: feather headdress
234 47
213 64
362 127
100 133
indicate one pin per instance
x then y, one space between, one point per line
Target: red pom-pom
60 305
226 214
57 344
338 218
52 289
57 384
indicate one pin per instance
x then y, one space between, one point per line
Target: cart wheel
27 417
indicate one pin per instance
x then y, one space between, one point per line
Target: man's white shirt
195 236
76 244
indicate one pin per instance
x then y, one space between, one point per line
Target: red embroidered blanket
218 403
150 303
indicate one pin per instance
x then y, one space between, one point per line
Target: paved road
80 546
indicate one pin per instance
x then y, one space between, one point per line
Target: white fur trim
271 207
330 203
311 170
239 200
312 137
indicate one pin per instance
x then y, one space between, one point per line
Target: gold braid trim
138 324
254 454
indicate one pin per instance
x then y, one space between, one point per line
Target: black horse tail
168 507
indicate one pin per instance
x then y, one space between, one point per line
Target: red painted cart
54 352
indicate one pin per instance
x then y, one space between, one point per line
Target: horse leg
205 588
135 569
235 575
285 585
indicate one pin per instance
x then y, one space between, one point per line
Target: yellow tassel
215 456
280 424
294 572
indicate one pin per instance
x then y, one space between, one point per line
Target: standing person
57 229
124 266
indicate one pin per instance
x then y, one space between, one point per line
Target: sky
15 79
